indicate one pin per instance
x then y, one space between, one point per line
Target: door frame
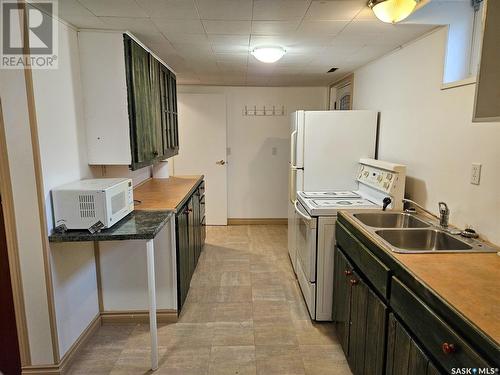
348 80
12 247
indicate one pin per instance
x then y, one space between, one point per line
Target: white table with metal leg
152 304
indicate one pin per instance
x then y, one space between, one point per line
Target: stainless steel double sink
408 233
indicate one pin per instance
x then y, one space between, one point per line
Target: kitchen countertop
466 285
138 225
165 193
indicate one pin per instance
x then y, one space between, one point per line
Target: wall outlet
475 176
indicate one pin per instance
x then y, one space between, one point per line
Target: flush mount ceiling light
392 11
268 54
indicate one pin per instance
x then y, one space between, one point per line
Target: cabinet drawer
440 341
364 260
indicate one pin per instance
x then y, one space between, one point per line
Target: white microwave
92 204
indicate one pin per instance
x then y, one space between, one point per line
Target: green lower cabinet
404 356
183 262
341 298
360 317
192 239
189 242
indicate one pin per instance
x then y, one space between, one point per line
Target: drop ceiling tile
73 8
135 25
366 14
322 28
170 9
188 39
271 10
227 27
367 27
232 67
240 58
335 10
274 27
229 39
84 22
230 48
188 49
159 47
167 26
114 8
225 9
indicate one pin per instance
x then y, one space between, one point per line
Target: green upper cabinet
152 97
130 101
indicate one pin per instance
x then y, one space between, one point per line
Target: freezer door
334 141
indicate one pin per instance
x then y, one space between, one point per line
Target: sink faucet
444 212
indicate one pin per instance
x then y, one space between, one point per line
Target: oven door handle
304 216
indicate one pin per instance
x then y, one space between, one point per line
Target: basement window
463 48
464 20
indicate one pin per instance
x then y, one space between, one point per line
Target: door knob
220 162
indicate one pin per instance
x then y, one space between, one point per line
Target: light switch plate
475 176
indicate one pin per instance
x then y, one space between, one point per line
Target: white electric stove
329 205
317 212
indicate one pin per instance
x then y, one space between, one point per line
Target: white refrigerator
325 148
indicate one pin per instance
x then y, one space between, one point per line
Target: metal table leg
152 304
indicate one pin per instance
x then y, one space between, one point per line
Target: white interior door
202 149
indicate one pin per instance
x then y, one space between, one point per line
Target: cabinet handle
448 348
354 281
348 272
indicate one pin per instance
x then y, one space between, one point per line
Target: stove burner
343 203
329 194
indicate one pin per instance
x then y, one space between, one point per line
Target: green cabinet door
342 298
169 113
367 329
360 319
142 116
183 265
152 104
156 124
192 238
197 224
404 355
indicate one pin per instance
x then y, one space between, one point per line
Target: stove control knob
379 178
366 173
386 185
389 176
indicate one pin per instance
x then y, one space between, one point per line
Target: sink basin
390 220
422 240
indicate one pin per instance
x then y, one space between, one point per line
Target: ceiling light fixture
392 11
268 55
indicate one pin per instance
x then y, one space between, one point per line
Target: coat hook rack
255 110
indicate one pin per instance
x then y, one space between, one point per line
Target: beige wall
29 235
63 153
431 131
257 179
